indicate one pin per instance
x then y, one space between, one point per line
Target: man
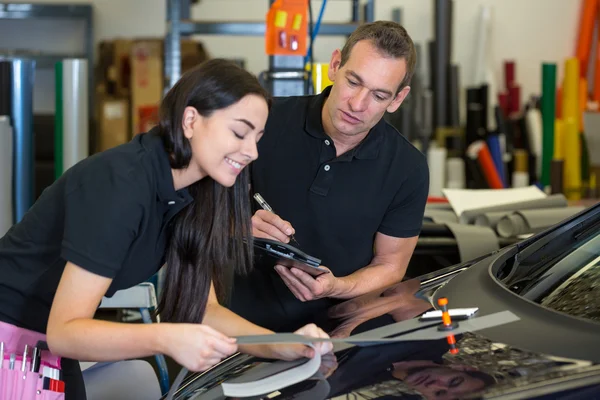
345 183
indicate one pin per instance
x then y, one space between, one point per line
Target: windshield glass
565 279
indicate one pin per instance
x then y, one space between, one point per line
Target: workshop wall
528 31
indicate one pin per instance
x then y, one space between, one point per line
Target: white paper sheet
468 199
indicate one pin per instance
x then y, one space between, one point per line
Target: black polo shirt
108 214
335 204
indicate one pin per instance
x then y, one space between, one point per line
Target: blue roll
23 72
493 142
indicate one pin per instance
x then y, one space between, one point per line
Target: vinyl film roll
5 87
455 172
570 91
553 201
453 118
22 119
436 158
71 130
6 169
548 118
443 38
533 221
572 167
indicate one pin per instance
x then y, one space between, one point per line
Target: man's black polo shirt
108 214
335 204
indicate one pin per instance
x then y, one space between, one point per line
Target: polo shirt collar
366 150
165 189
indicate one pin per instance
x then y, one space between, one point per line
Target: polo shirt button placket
327 142
327 168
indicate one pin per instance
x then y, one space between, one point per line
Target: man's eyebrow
360 80
250 124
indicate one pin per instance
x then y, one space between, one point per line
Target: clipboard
288 256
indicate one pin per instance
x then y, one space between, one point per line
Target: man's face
442 383
364 89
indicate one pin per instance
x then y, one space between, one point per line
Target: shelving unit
179 25
22 11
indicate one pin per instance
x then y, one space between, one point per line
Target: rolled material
473 241
548 118
520 179
474 130
553 201
533 221
427 118
436 158
6 175
453 118
480 62
572 167
71 130
480 151
493 142
455 172
5 87
570 91
509 74
22 119
559 140
556 176
589 11
533 120
490 219
443 40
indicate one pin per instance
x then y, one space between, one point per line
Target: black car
550 282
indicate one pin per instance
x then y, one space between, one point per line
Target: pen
1 355
24 361
35 358
11 361
265 206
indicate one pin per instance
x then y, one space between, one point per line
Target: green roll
58 121
548 117
72 122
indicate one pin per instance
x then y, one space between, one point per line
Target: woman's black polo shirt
109 214
336 204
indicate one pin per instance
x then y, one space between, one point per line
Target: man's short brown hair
391 39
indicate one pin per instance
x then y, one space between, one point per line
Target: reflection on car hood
579 296
415 369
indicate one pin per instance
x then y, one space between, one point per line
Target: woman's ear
190 117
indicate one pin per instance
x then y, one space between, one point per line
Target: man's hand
306 287
267 225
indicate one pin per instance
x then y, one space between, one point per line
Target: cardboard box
113 123
146 84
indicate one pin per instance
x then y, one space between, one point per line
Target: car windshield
563 275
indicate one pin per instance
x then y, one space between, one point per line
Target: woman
177 194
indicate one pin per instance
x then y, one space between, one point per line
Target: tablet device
288 256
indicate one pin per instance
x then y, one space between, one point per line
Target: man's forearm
368 279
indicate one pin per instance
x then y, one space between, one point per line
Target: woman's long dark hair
211 239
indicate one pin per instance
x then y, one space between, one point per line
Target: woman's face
224 143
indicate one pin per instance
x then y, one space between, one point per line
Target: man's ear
334 64
190 117
398 99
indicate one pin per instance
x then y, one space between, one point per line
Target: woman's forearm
231 324
94 340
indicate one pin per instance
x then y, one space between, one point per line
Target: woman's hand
197 347
294 351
